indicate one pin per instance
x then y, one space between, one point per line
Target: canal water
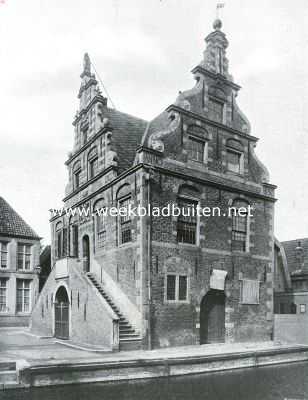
289 381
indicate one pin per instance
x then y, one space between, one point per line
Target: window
187 221
197 150
3 295
240 226
302 308
234 161
23 256
93 167
250 291
23 295
77 179
216 109
61 240
176 288
73 236
100 223
125 222
282 308
84 136
3 254
92 163
293 308
76 175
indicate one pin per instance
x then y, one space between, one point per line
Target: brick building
19 259
157 281
291 277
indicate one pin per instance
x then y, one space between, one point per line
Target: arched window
235 156
92 163
99 210
76 175
240 218
124 200
187 222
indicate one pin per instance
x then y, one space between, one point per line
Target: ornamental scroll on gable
155 140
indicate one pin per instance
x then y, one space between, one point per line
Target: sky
144 52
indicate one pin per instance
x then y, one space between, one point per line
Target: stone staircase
129 338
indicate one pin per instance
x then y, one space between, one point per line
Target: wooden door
61 306
212 317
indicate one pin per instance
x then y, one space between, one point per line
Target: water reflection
265 383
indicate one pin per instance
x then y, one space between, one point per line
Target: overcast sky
144 51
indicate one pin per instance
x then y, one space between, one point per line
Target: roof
296 261
11 223
126 135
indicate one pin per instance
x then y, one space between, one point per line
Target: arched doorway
62 314
86 253
212 317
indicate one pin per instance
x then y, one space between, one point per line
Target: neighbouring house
291 277
154 281
291 291
19 267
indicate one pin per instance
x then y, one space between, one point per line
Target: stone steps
127 333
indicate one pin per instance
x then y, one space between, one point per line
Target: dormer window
235 156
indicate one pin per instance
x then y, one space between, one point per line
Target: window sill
250 304
188 245
239 174
176 302
127 244
241 253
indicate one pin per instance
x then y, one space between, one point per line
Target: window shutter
250 291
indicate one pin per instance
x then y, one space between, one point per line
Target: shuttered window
250 291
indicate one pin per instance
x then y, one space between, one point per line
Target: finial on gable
86 65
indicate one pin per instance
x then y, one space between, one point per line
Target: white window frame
6 294
302 308
24 245
23 296
177 286
4 251
241 164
